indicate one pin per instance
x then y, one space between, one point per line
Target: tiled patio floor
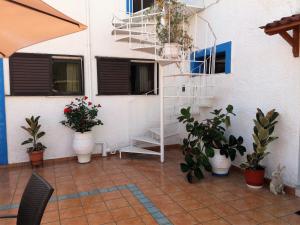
143 191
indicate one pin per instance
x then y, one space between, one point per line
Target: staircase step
134 32
134 149
167 134
133 24
147 49
146 140
135 40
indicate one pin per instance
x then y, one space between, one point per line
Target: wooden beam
296 42
279 28
285 35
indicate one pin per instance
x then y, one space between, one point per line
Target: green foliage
33 130
264 126
172 23
81 115
204 137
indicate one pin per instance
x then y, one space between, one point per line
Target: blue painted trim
3 141
160 218
224 47
129 6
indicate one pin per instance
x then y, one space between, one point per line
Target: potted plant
171 27
36 150
206 145
82 117
262 136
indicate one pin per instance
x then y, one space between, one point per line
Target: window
45 75
118 76
133 6
67 76
222 63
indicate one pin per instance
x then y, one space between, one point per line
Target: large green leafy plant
262 136
33 130
81 115
172 23
203 137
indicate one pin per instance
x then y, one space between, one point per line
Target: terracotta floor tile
116 203
100 218
139 209
222 209
276 222
132 221
90 200
190 204
70 212
259 215
123 213
204 214
50 216
111 195
75 221
216 222
69 203
182 219
239 219
94 208
171 209
292 219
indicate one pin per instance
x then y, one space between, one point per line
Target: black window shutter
30 74
113 76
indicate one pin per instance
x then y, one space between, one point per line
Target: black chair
34 201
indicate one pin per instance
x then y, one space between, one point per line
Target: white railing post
161 95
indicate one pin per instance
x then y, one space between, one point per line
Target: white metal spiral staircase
184 81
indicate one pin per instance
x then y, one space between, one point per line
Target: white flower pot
220 164
171 50
83 145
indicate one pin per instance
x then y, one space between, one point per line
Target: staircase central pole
161 96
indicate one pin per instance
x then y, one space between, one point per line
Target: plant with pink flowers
81 115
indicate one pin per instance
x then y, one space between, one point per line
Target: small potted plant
262 136
171 27
207 146
36 150
82 117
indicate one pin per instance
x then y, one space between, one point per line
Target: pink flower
85 98
89 103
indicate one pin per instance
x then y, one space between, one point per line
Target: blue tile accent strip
159 217
3 141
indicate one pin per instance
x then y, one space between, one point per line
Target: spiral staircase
184 81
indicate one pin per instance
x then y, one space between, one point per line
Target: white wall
116 110
264 74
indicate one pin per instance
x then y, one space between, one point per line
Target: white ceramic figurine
276 185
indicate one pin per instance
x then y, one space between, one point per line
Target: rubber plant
262 137
203 137
33 130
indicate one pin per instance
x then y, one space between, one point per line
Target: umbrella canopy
24 23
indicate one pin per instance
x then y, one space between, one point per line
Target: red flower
67 110
89 103
85 97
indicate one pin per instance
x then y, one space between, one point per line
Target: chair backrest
34 201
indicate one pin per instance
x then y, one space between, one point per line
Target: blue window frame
129 6
3 141
223 58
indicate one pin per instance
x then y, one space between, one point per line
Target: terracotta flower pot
255 178
36 158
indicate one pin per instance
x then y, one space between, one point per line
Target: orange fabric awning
27 22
